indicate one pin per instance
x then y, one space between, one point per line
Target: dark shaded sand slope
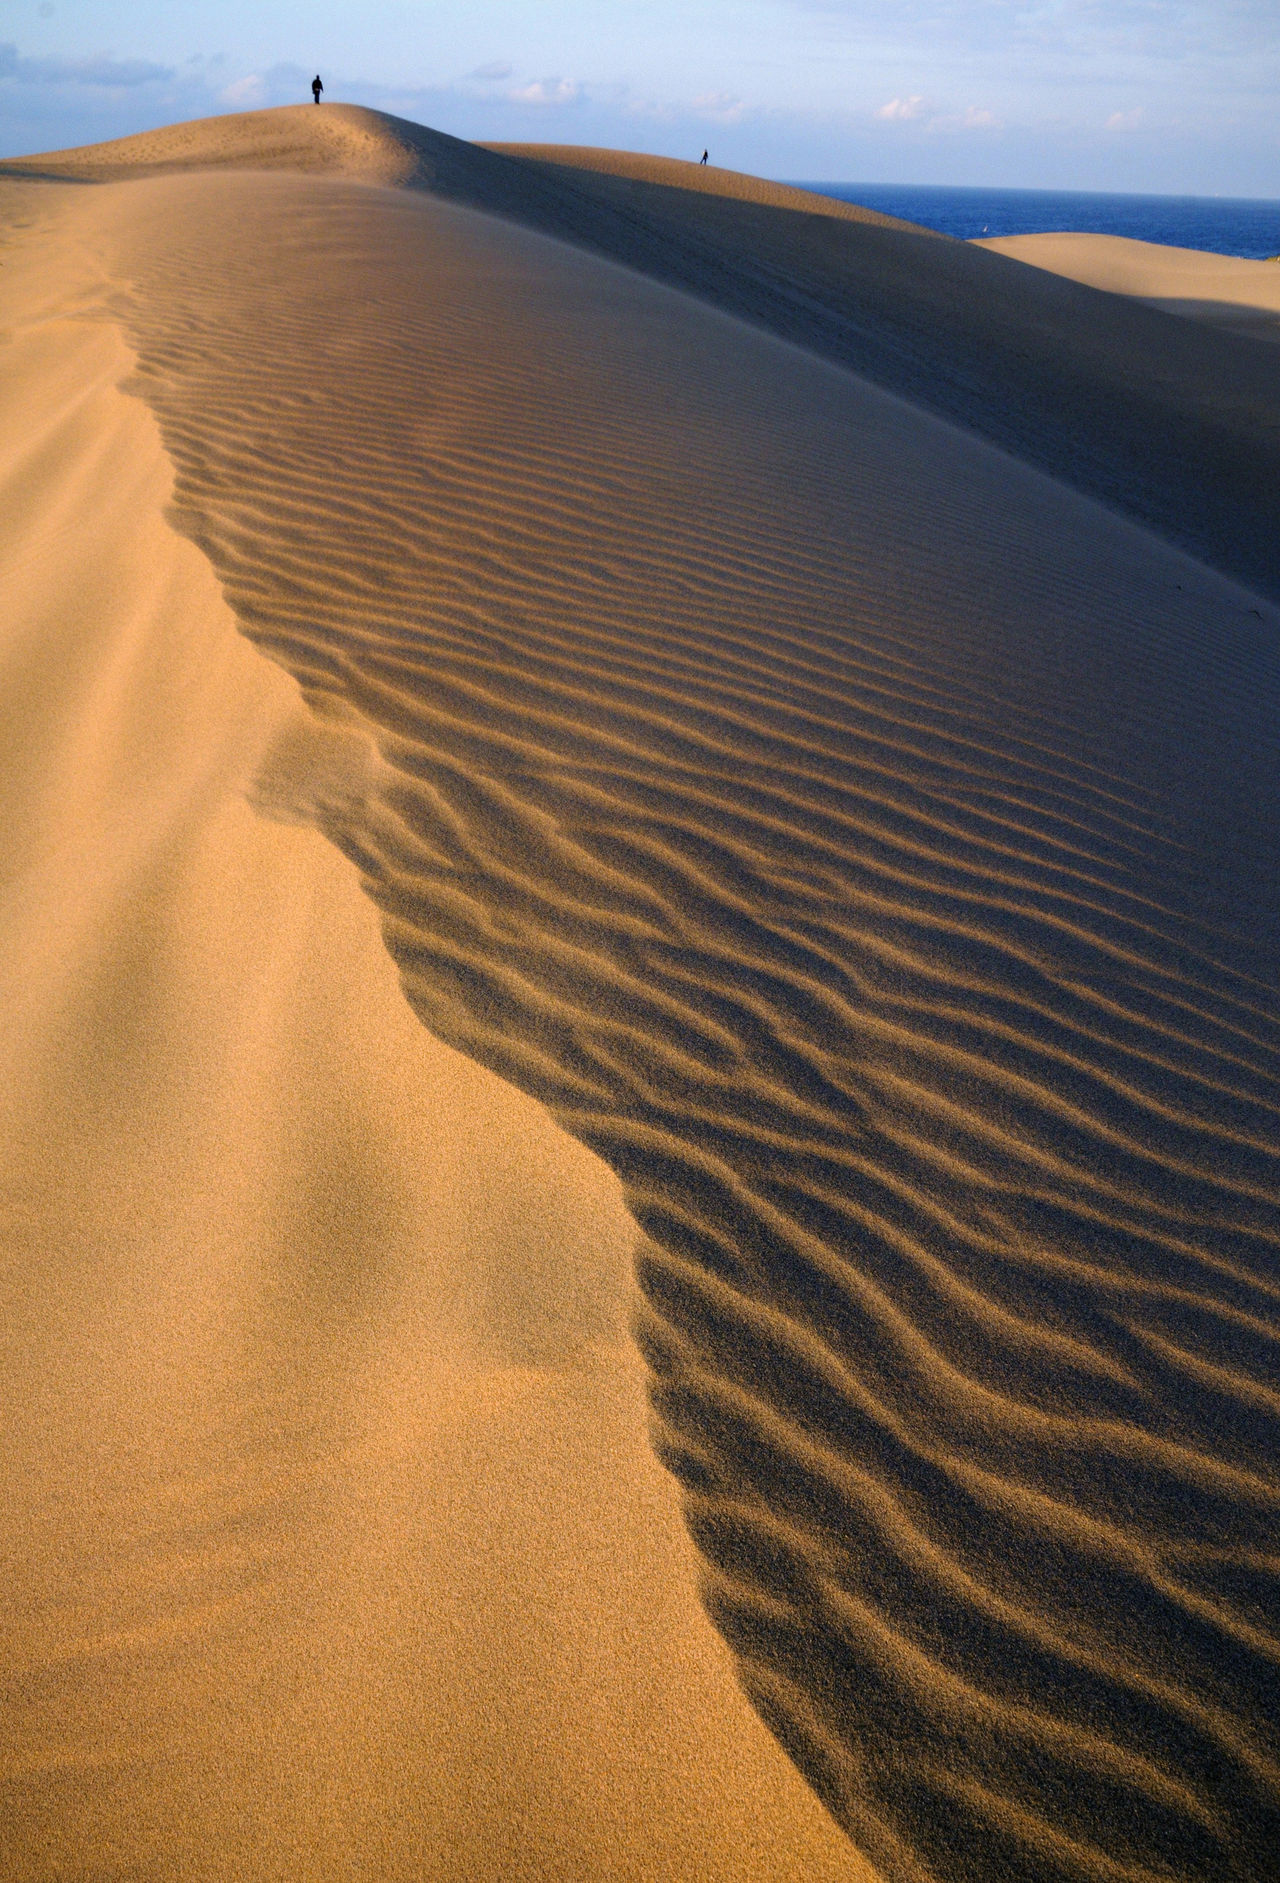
1175 426
868 846
1181 431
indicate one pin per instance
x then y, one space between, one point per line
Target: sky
1176 96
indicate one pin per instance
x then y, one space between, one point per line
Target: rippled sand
863 843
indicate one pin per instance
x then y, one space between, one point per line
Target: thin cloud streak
100 70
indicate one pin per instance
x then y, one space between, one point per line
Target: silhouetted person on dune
316 88
703 157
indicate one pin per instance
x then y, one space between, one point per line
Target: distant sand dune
868 847
1223 290
633 178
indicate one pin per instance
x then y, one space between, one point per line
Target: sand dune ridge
854 838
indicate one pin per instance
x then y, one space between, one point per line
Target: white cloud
547 91
915 110
900 110
1167 31
1125 120
244 92
722 106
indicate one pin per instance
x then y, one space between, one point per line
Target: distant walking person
316 88
703 157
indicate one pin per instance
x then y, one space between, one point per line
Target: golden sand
333 1542
1224 291
859 841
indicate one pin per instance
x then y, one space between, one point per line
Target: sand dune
1174 426
632 177
333 1544
1223 290
374 148
867 846
1171 422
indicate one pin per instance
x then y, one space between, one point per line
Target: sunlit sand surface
1225 291
860 842
333 1542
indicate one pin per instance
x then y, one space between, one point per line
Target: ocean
1224 225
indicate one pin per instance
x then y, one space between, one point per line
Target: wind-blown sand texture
1224 290
333 1545
866 845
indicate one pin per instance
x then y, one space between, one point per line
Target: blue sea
1224 225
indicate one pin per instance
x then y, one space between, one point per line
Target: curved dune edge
867 847
333 1543
342 138
704 180
374 147
1226 291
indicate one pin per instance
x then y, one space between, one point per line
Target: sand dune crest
1170 422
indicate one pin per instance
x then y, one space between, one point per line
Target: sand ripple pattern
868 848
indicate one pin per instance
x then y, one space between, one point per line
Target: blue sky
1165 95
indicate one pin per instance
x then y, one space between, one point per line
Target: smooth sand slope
867 846
332 1542
1224 290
